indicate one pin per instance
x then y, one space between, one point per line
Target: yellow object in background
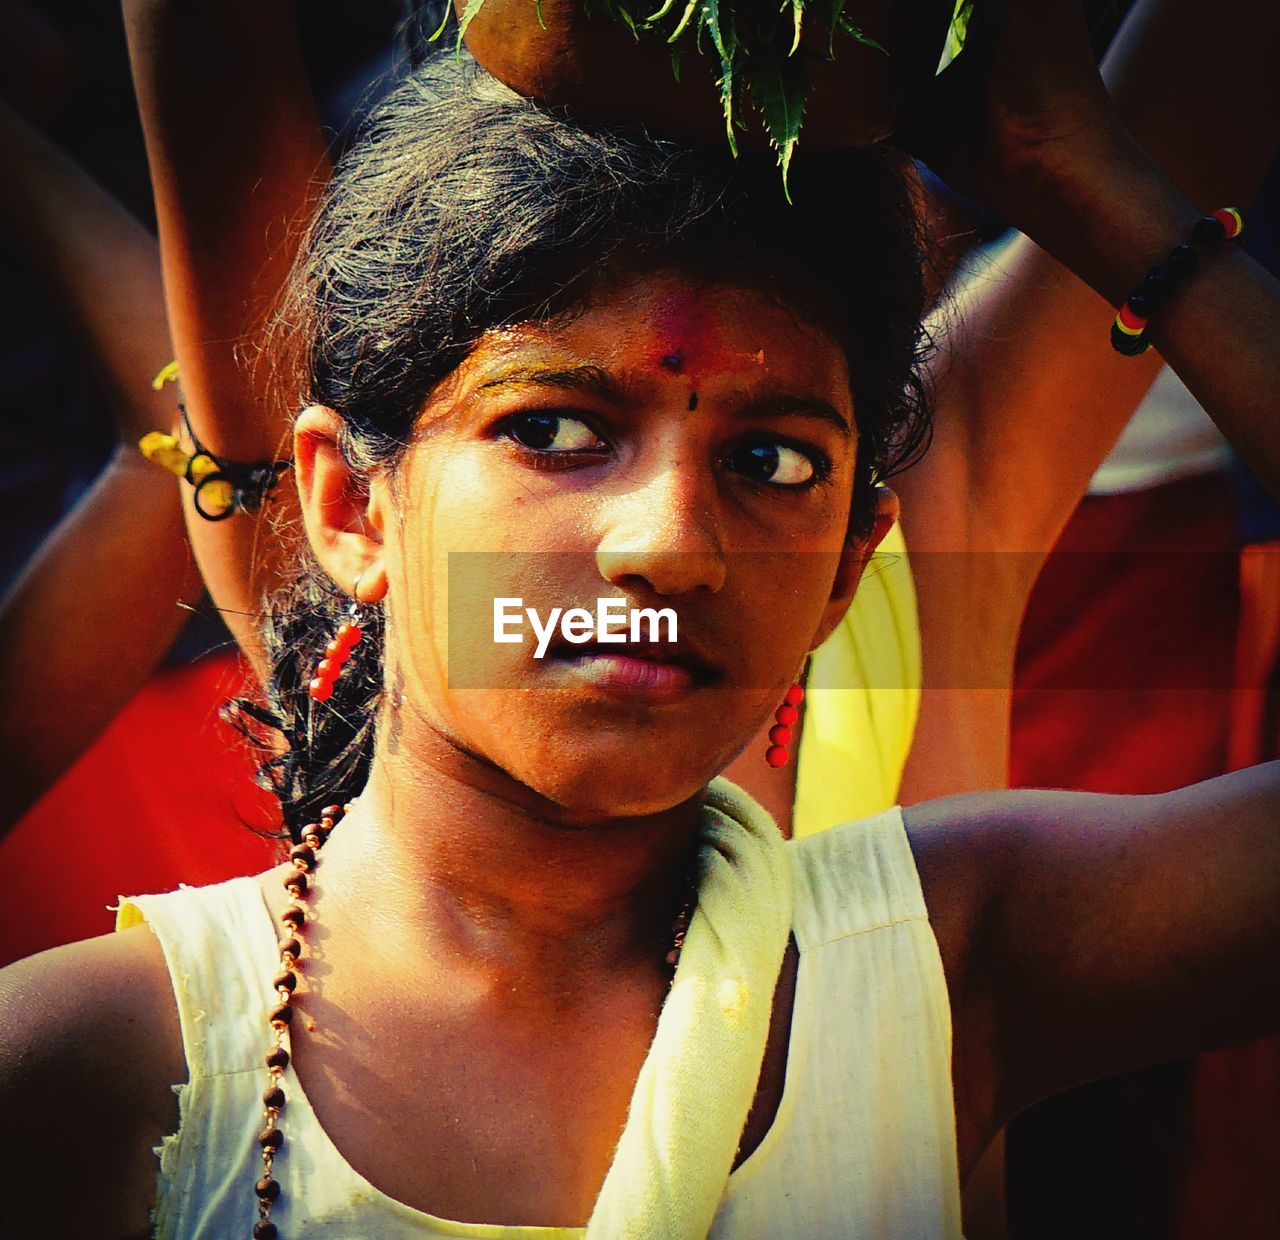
862 699
166 374
167 452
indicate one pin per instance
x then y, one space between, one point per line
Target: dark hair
463 208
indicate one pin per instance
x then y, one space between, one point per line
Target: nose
664 532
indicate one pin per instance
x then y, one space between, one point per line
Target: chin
597 780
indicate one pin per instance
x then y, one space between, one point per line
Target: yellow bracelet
222 486
166 451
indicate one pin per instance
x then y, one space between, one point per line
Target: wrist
1105 210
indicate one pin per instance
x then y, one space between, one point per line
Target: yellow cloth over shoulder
862 700
696 1086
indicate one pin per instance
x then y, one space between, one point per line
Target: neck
458 862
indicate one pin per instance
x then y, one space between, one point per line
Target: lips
646 671
672 653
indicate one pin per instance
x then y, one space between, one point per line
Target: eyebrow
590 379
798 406
596 381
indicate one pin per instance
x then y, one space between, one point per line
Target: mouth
638 671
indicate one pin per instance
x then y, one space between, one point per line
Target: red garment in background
162 798
1126 660
1129 679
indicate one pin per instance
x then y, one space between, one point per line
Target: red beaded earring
338 651
780 734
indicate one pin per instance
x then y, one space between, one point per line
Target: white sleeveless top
863 1144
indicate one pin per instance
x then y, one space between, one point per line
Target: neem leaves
779 86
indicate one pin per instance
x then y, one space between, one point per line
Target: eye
774 463
552 432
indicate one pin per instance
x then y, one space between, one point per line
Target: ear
853 561
343 524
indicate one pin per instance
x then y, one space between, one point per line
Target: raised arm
1027 383
98 606
1030 395
237 156
1107 932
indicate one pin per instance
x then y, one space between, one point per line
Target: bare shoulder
1085 934
960 843
90 1047
970 850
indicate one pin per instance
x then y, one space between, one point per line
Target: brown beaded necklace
293 922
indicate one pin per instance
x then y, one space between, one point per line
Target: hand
1022 100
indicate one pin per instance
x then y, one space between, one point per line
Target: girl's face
675 445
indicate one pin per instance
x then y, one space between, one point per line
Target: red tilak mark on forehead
690 338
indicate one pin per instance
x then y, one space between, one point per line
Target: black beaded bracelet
1129 330
224 487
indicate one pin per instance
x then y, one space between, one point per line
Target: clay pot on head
598 71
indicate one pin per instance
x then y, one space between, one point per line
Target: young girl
1026 385
635 373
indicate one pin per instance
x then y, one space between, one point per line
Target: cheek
783 606
467 523
446 511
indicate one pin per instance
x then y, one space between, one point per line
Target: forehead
665 326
